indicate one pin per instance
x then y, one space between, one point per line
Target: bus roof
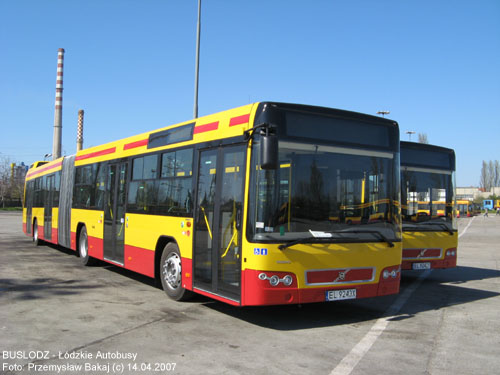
426 155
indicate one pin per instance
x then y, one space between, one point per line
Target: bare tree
4 179
497 173
422 138
491 173
484 179
11 184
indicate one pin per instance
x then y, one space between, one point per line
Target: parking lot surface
57 316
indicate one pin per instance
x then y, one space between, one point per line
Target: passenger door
218 221
47 211
114 212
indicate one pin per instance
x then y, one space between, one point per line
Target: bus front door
219 215
114 213
47 211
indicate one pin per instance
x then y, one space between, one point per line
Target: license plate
337 295
421 266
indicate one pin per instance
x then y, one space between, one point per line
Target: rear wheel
83 248
36 239
171 273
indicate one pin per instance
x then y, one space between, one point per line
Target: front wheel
83 248
171 273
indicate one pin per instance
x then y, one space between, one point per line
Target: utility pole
197 69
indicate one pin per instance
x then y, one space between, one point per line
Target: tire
36 239
83 248
171 273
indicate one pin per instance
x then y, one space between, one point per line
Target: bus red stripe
143 142
207 127
107 151
239 120
140 260
44 169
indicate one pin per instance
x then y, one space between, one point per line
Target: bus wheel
36 240
171 273
83 248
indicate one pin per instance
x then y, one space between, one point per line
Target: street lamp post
409 132
383 113
196 78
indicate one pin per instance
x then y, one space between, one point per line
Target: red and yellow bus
239 206
430 237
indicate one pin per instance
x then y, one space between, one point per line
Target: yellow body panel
305 257
44 169
37 212
224 130
143 231
55 217
427 240
92 219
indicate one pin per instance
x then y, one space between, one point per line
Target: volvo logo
422 253
341 276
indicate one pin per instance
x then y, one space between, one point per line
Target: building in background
475 193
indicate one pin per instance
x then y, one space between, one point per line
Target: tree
4 179
11 184
422 138
491 173
497 173
484 179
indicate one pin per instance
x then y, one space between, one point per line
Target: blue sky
130 65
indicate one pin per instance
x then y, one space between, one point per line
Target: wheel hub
172 273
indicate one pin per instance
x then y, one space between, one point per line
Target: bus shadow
46 285
41 287
454 276
441 289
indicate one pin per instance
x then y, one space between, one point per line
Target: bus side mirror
269 151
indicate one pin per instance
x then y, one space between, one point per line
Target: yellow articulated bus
430 237
239 206
465 208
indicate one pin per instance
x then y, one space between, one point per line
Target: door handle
238 218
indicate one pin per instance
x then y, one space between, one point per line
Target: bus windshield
427 199
324 192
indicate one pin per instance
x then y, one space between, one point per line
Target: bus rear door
48 204
114 212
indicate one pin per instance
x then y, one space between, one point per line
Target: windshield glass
427 198
326 193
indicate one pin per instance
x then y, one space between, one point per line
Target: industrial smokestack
79 131
56 143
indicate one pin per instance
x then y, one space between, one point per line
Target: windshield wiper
442 225
310 240
412 226
382 236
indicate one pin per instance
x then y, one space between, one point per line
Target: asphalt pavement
57 316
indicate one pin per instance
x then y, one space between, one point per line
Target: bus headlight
274 280
287 280
391 272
